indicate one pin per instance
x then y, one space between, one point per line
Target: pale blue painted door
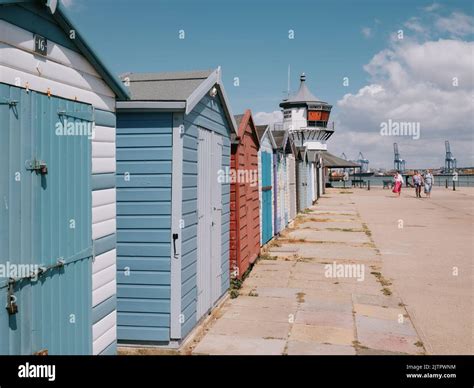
45 222
267 218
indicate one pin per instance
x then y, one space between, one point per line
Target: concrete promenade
361 272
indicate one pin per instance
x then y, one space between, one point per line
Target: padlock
44 169
12 307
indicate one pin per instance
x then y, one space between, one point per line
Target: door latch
39 166
175 237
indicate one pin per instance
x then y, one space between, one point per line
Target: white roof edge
197 95
272 139
176 105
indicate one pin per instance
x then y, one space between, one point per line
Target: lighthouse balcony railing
295 125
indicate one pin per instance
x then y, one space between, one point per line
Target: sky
404 63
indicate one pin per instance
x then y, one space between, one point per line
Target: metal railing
304 124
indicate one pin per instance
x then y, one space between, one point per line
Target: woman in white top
398 181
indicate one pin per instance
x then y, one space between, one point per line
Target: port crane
364 163
398 163
450 163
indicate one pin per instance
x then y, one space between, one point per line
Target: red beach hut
244 197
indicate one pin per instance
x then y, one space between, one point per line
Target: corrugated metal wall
144 154
44 218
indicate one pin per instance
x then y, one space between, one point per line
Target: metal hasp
39 166
11 307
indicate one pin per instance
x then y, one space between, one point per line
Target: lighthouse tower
306 118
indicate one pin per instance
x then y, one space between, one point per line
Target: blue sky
249 39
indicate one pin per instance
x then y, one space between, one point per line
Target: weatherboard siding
104 266
64 71
144 155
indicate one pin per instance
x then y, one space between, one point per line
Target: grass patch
274 243
384 282
300 297
345 230
366 230
358 346
314 219
386 291
266 256
253 293
235 286
418 344
346 192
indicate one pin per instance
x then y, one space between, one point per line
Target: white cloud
261 118
412 82
432 7
367 32
414 24
457 24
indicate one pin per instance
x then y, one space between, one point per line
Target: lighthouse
306 118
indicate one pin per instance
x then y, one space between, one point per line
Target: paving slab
322 334
219 344
347 225
278 292
388 313
377 300
317 349
262 301
390 342
263 315
264 330
328 251
368 325
310 235
325 318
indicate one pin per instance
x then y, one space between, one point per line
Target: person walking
417 182
429 180
398 181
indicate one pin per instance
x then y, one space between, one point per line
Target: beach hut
302 178
173 194
266 182
282 183
57 221
244 196
291 178
315 169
